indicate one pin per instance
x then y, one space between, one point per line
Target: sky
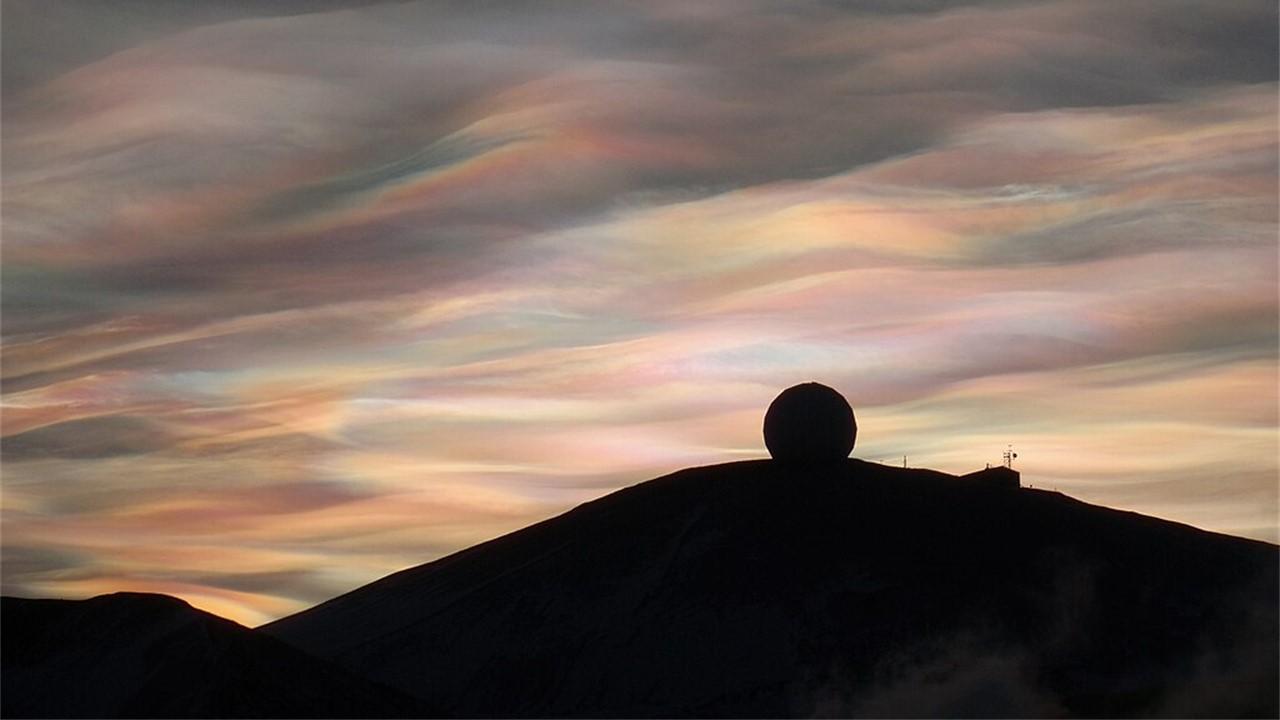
298 294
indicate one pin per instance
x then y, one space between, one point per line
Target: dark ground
144 655
758 589
747 589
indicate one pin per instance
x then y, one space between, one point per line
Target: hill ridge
718 554
131 654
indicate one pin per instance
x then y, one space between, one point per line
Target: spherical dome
809 423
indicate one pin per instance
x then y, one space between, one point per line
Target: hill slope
754 589
143 655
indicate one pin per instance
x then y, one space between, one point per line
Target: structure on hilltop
999 477
812 424
996 477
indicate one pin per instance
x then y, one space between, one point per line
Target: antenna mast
1009 456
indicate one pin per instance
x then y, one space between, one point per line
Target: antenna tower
1009 456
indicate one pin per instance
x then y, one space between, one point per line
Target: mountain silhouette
145 655
764 588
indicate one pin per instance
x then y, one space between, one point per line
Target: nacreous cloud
290 302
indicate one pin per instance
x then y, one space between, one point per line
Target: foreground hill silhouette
144 655
767 589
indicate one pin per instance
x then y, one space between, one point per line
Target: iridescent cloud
291 302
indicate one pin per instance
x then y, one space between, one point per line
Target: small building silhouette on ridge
1001 476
